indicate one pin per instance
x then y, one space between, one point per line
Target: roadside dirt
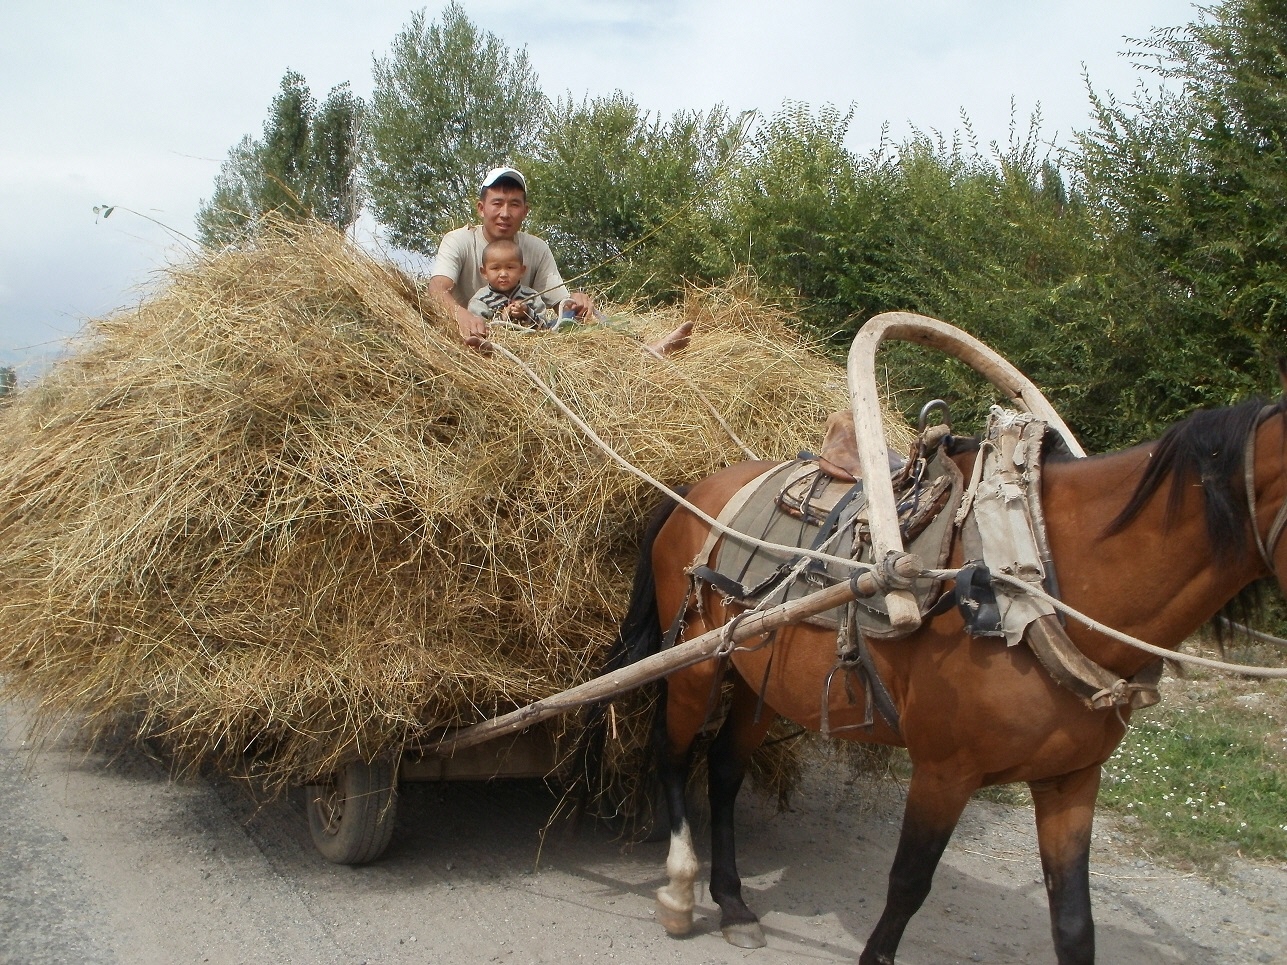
105 860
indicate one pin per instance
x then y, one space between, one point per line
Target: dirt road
104 860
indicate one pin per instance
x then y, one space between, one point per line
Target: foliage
792 205
1190 184
240 186
8 379
303 168
1201 781
334 150
630 199
992 243
284 152
450 102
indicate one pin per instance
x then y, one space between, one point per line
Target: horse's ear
1282 372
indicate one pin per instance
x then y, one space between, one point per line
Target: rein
1265 546
1279 524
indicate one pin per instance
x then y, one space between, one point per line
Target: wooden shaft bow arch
872 449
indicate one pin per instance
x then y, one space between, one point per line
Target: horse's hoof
745 934
675 921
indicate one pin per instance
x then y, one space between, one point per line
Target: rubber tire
351 817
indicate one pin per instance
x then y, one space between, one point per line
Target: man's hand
473 329
582 304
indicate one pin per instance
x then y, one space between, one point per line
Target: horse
1153 540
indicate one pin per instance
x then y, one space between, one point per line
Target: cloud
137 104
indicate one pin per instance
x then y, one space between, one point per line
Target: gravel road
107 861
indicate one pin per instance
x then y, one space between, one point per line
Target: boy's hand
518 309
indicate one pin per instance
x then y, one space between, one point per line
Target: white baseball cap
495 174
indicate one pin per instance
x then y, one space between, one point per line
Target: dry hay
278 514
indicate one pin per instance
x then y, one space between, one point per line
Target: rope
662 487
1267 673
710 407
1254 634
674 370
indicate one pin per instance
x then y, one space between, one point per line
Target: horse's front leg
1065 808
729 755
934 805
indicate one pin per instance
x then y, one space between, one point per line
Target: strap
732 508
1098 688
677 625
833 518
875 695
876 687
1265 546
732 588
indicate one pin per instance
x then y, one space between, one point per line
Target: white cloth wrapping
1000 503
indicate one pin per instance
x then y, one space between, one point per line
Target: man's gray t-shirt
460 256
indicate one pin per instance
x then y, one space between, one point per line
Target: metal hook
931 406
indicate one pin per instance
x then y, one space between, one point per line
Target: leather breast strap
1265 546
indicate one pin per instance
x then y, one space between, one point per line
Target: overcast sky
136 103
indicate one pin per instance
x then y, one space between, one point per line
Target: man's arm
473 329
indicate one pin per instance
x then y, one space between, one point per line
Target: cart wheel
351 814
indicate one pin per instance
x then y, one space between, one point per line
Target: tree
8 380
304 167
791 204
285 150
237 201
335 153
630 198
450 102
1191 184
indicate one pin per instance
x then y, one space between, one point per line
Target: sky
136 104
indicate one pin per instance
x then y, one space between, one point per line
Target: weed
1205 775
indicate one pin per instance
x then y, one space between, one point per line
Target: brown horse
1152 541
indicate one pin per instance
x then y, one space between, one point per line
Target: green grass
1204 782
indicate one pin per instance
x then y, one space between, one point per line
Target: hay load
278 509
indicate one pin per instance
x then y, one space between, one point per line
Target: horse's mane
1207 446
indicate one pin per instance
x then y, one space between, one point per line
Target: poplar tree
305 166
450 102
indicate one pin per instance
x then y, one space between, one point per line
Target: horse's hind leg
738 738
675 899
1065 808
934 805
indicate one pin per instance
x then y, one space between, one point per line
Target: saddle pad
791 507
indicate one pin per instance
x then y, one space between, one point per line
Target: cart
351 813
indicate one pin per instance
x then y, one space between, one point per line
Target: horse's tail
640 632
638 636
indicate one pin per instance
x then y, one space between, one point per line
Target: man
502 206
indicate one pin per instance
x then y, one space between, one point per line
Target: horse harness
1265 546
997 517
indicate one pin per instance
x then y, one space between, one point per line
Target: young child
505 297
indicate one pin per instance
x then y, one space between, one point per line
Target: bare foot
676 340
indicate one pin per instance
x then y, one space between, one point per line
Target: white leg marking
675 901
